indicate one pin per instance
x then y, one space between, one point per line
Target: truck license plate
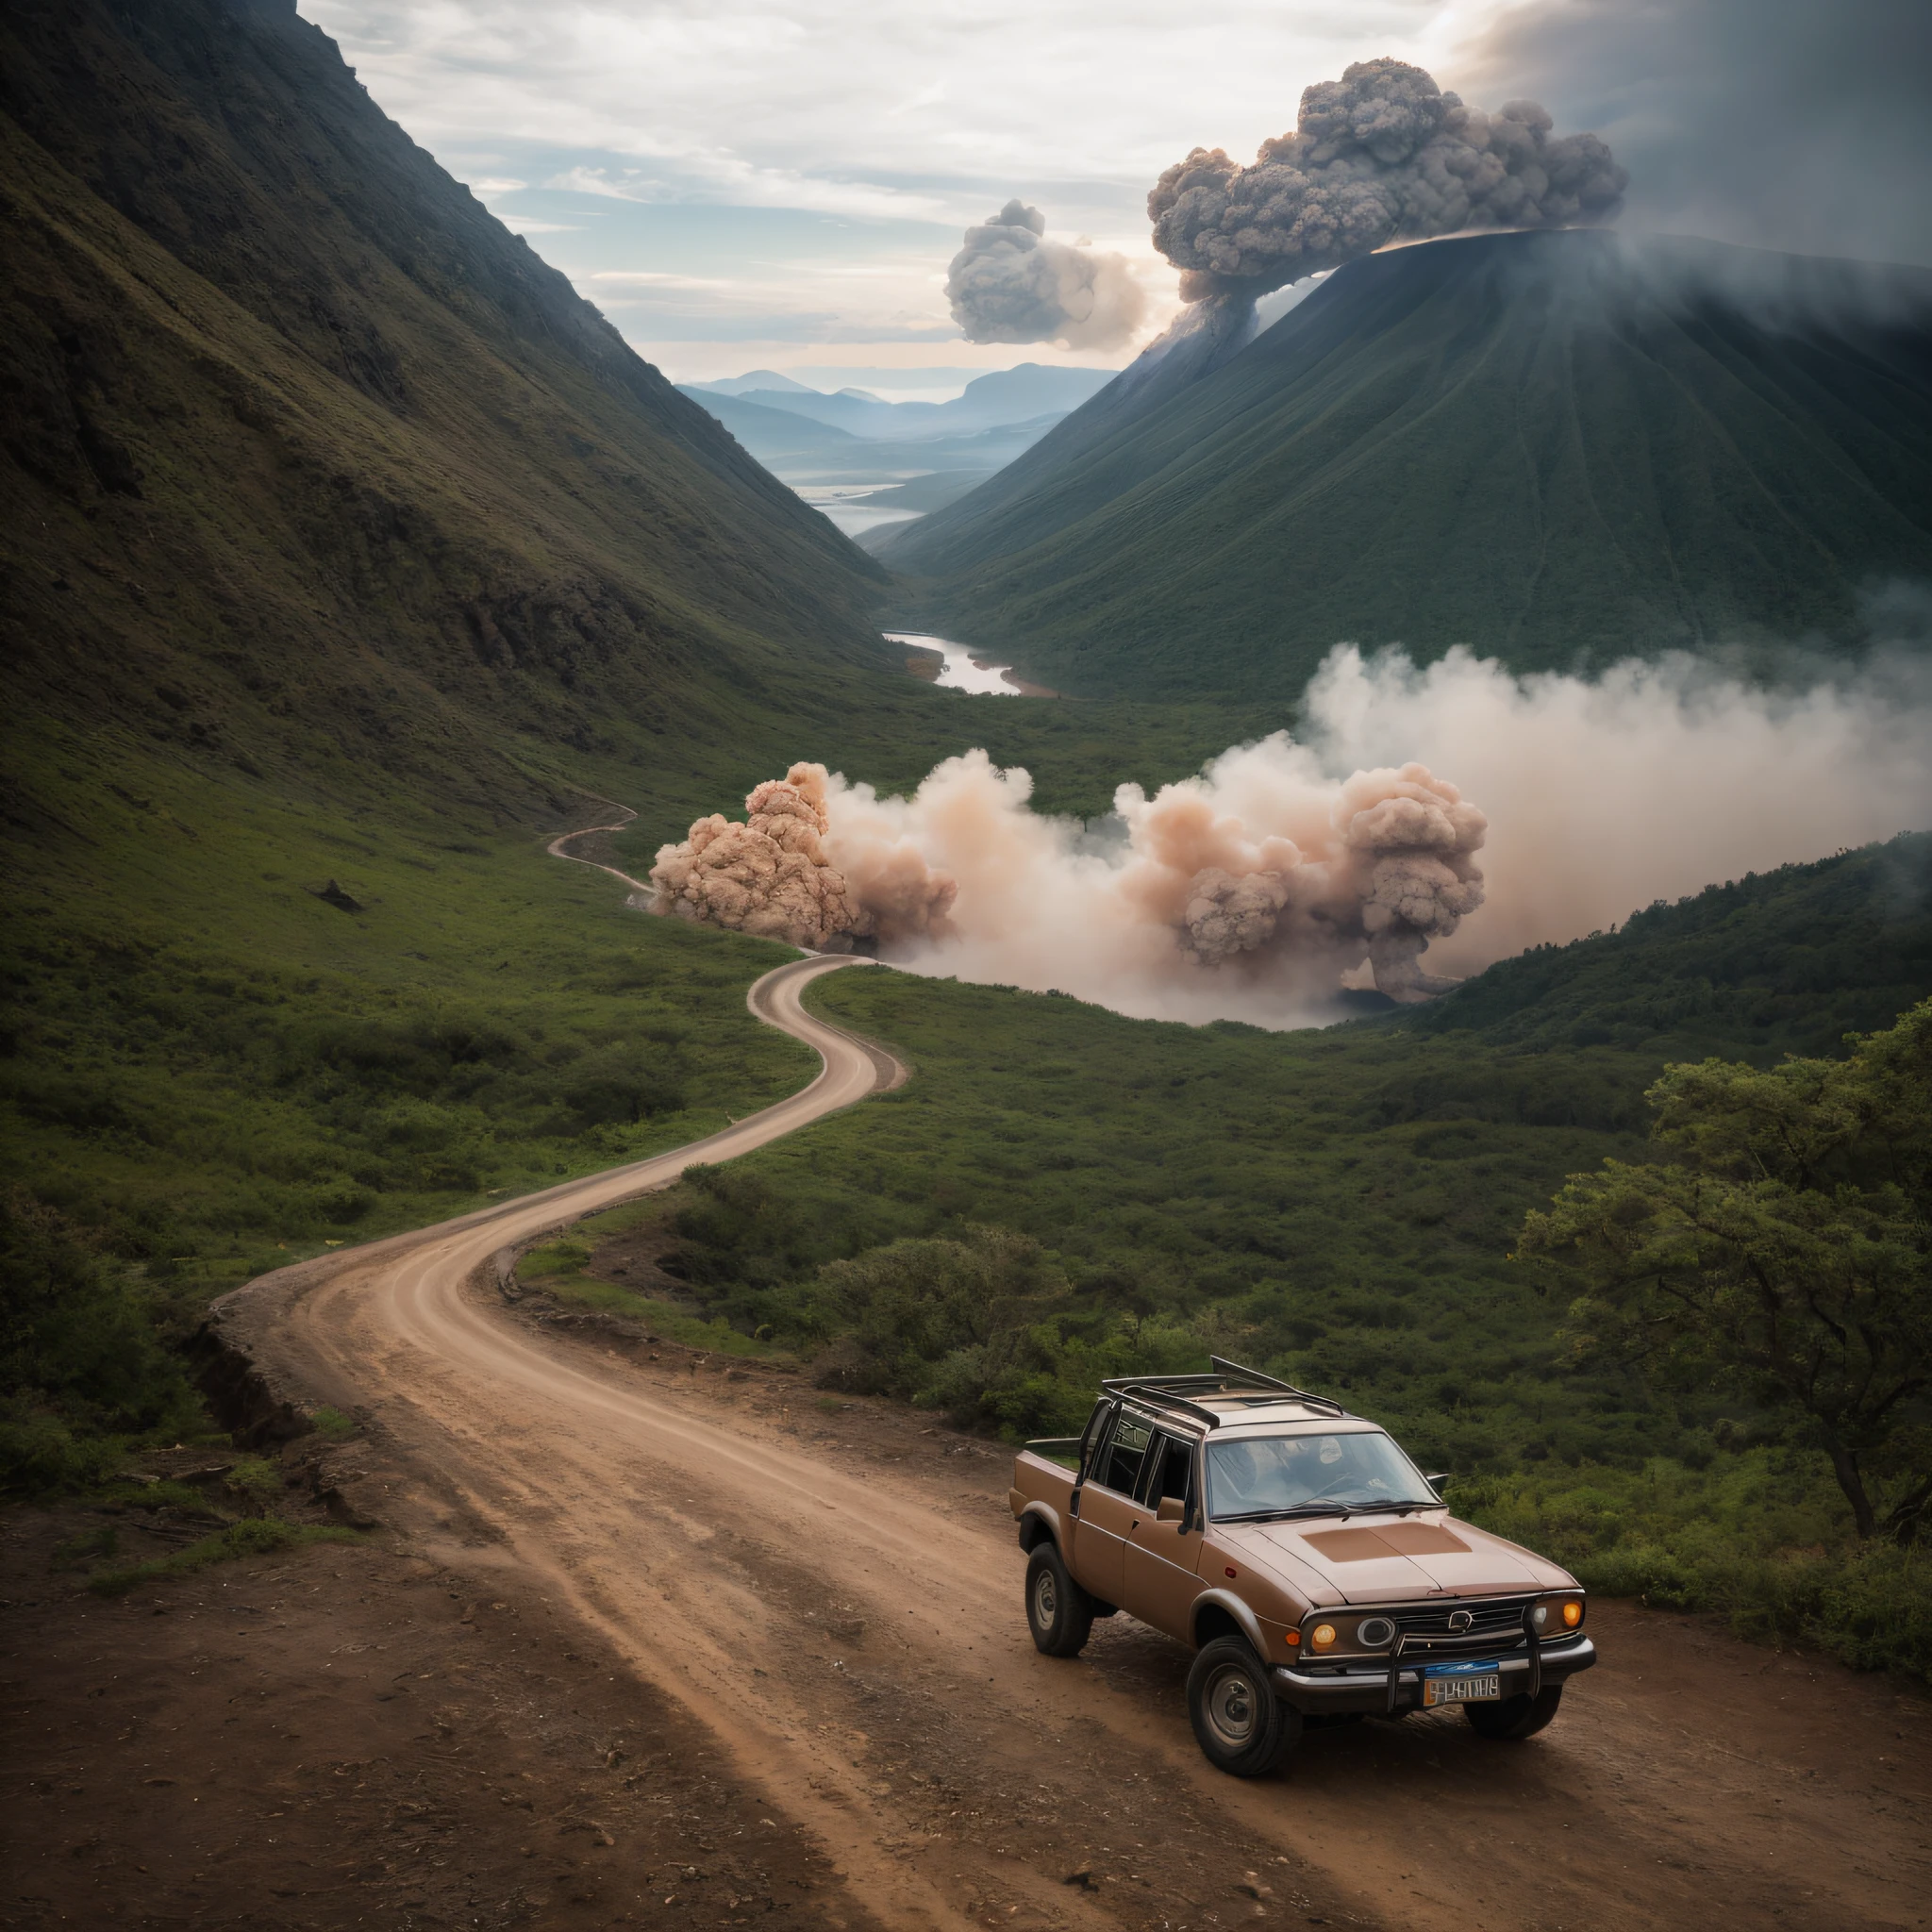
1463 1686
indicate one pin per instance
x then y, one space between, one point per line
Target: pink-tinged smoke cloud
1651 781
1264 883
1253 889
773 875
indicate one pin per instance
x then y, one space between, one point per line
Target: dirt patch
634 1257
359 1735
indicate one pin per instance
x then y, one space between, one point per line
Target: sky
744 184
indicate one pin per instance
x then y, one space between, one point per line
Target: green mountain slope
1786 961
1544 446
308 456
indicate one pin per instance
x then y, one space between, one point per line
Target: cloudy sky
772 183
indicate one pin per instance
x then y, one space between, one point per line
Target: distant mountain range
919 457
1028 393
1555 447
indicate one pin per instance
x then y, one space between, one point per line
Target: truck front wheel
1059 1612
1240 1723
1521 1716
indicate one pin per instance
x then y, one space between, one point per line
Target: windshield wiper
1367 1509
1283 1515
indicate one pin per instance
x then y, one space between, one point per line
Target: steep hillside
1545 445
310 461
1786 961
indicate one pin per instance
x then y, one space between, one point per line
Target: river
962 670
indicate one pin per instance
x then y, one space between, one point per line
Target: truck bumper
1370 1688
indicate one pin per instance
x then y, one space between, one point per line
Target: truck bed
1044 1476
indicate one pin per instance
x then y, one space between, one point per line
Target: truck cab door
1108 1511
1161 1560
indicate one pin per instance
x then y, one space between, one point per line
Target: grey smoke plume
1785 126
1010 284
1382 155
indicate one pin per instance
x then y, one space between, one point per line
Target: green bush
83 1368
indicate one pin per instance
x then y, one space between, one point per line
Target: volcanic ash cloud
1382 155
1259 883
1010 284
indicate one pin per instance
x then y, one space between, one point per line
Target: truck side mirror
1171 1510
1438 1482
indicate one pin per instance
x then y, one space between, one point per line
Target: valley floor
664 1655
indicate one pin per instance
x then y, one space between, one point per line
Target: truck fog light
1375 1633
1322 1636
1573 1613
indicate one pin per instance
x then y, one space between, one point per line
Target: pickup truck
1316 1573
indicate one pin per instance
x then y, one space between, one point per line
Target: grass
563 1269
253 1536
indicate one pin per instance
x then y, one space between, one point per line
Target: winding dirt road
836 1602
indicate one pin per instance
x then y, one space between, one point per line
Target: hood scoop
1392 1539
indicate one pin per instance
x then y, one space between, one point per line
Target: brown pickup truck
1315 1570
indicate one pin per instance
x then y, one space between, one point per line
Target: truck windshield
1267 1476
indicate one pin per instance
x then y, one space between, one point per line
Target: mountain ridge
319 460
1550 446
996 400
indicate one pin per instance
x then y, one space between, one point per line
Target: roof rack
1175 1391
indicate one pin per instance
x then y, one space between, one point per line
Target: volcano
1557 448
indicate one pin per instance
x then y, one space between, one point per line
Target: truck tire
1059 1612
1241 1725
1510 1718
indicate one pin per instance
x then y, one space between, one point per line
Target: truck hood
1385 1559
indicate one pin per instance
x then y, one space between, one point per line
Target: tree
1785 1251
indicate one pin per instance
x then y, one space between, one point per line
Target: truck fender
1244 1619
1039 1522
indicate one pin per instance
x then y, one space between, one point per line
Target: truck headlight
1322 1636
1560 1613
1375 1633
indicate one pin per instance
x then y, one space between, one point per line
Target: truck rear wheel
1059 1612
1240 1723
1521 1716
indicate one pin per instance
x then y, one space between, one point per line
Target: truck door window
1171 1472
1124 1455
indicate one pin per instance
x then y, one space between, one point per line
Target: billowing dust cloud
1382 155
1279 878
1010 283
773 875
1256 890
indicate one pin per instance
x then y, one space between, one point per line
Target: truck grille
1495 1624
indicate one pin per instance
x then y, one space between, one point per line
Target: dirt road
834 1604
